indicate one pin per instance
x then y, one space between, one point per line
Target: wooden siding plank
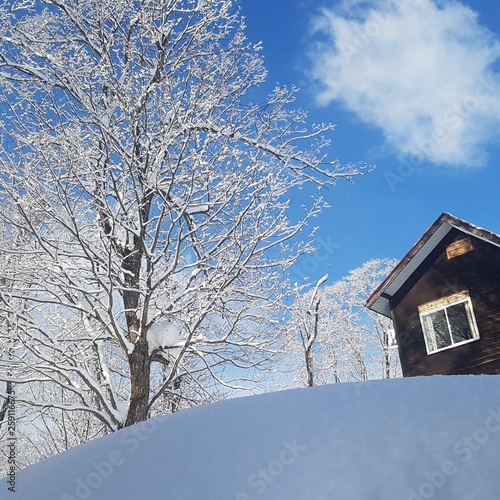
459 247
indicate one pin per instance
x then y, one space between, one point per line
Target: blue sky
414 88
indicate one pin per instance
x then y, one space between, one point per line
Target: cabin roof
379 300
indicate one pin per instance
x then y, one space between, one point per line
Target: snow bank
432 437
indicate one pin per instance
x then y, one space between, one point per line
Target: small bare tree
339 338
148 197
308 325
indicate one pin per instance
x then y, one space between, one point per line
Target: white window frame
442 305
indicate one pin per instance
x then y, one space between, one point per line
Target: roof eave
379 300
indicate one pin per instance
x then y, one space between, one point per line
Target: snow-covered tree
145 202
307 314
337 339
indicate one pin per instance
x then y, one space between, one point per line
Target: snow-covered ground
432 437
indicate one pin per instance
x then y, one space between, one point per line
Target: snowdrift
420 438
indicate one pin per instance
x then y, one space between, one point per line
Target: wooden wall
477 271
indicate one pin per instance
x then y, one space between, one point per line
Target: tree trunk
139 359
311 339
387 364
139 383
310 374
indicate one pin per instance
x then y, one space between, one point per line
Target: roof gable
379 299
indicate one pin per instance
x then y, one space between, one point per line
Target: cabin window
448 322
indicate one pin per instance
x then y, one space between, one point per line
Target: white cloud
420 71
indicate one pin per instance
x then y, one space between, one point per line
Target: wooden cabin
444 300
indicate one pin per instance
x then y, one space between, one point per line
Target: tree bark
139 359
387 364
139 383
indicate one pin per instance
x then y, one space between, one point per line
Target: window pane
459 322
440 327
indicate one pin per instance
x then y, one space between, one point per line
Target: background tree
338 339
145 203
308 329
